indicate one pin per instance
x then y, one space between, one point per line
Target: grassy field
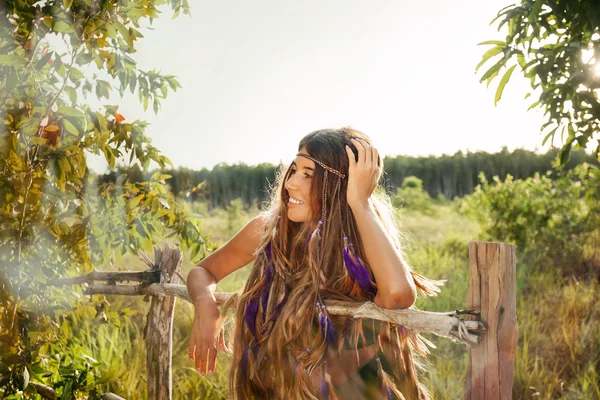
559 335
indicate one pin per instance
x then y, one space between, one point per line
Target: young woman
327 235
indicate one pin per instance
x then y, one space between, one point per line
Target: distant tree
56 218
556 45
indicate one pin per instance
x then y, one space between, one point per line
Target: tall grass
559 331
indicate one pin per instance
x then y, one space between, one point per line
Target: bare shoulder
256 226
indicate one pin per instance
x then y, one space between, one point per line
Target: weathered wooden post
159 326
492 291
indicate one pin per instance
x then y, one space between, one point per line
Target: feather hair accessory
357 269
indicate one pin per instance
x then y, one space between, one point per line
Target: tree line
449 176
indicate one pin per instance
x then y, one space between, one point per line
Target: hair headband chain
328 168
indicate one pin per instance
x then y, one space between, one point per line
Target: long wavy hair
283 331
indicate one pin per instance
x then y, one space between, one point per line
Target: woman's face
298 188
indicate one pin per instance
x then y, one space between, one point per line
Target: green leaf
11 60
549 135
72 93
565 153
42 62
503 83
67 3
67 390
70 127
173 83
103 88
84 59
62 26
135 201
75 75
132 82
493 70
494 42
136 12
71 112
535 11
111 109
489 54
125 34
48 21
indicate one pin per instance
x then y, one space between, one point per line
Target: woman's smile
294 202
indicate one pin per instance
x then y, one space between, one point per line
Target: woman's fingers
361 151
212 357
191 348
351 158
374 157
369 154
200 356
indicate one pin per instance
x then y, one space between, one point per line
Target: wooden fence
491 308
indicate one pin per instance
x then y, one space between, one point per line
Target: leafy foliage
553 220
56 218
556 45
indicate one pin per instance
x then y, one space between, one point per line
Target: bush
552 220
412 196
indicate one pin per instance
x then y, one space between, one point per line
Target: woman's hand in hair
363 173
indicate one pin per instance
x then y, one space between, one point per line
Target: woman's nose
290 185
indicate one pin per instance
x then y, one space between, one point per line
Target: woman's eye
307 175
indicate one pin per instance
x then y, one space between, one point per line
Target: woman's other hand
363 173
206 337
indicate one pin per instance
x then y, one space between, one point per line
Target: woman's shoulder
258 225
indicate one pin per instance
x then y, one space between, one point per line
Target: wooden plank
493 289
492 267
508 328
159 328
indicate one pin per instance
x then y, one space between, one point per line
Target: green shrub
550 220
412 196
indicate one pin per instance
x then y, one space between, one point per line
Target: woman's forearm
395 287
201 283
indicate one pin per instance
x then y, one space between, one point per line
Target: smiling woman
326 236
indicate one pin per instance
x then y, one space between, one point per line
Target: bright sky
257 76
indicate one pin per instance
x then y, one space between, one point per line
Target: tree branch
116 276
45 391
